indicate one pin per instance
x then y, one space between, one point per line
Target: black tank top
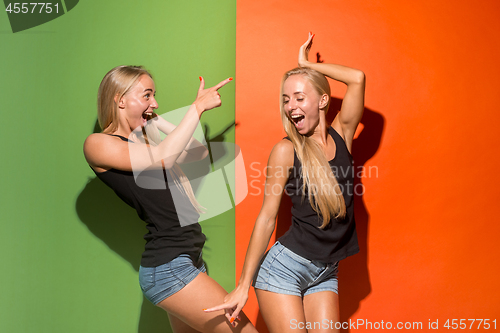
336 241
166 238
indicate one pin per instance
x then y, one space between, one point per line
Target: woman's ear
323 101
119 100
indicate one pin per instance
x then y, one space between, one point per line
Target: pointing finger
218 307
223 83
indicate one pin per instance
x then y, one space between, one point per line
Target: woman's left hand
304 51
233 303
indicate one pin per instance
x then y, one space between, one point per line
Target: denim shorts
160 282
285 272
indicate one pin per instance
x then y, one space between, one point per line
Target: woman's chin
302 130
299 128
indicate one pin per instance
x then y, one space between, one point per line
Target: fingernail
231 320
200 78
204 309
230 79
313 35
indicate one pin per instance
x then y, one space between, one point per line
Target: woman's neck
123 129
320 133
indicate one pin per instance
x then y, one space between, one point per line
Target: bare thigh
187 306
282 313
178 326
322 307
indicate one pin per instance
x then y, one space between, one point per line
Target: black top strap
121 137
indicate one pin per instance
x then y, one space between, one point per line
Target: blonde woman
296 281
172 273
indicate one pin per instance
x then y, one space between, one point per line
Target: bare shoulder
282 154
96 141
104 152
95 138
284 147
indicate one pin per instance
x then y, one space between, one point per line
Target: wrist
305 63
199 109
244 285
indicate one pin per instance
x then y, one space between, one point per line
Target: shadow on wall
118 226
354 278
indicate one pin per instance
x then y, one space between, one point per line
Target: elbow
271 223
204 154
359 77
197 153
267 223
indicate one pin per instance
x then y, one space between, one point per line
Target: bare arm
279 164
194 150
104 151
352 108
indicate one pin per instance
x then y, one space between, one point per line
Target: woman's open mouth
298 120
146 116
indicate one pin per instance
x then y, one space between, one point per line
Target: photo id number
32 7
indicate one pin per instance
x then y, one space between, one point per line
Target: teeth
296 116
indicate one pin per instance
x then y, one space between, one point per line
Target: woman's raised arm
353 102
194 150
106 152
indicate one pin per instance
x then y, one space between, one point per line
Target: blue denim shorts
285 272
158 283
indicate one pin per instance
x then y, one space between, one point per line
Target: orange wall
428 222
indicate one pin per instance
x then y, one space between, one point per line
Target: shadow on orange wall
427 224
354 278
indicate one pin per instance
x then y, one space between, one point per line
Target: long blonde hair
115 84
319 181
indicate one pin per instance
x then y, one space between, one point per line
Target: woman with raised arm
143 171
296 281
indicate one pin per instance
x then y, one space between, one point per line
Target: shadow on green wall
118 226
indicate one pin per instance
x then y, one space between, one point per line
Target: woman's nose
154 104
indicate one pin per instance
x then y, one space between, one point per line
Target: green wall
70 249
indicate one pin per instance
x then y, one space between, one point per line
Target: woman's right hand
233 303
209 98
304 51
